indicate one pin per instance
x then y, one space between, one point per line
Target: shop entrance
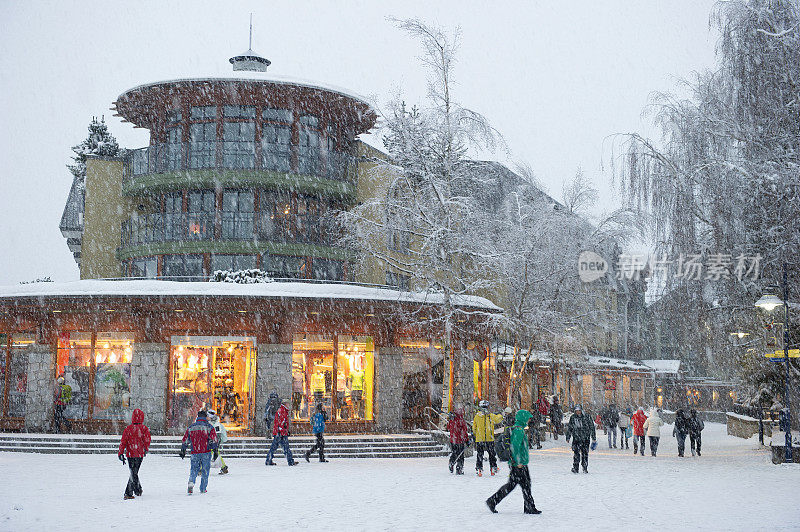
213 372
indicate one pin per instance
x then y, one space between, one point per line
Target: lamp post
769 302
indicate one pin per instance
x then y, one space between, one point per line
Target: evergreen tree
99 142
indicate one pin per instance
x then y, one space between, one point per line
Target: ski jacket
64 395
318 422
201 436
483 426
610 417
272 407
222 432
281 425
638 420
681 422
543 405
458 429
696 426
556 414
519 440
136 437
653 425
624 421
580 428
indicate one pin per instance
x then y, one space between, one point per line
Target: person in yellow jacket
483 429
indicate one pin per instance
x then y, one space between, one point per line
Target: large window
232 262
276 140
173 149
112 375
421 390
202 145
237 214
327 269
308 152
16 372
239 145
397 280
284 266
338 375
201 210
74 363
173 216
275 212
146 267
182 266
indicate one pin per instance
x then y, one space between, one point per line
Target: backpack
502 445
319 423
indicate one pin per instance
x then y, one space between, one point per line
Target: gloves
182 454
121 458
215 455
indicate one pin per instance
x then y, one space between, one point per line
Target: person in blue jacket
318 428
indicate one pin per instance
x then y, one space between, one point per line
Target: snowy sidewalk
731 487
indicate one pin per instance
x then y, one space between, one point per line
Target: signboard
793 353
610 384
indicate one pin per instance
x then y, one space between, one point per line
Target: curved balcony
241 163
227 227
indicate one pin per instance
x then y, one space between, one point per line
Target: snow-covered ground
733 486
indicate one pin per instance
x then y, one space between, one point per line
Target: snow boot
308 456
494 471
585 470
224 470
126 497
479 472
450 467
574 470
459 472
190 489
698 453
269 463
323 460
533 511
490 504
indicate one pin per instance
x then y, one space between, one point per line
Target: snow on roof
276 289
617 363
243 75
664 366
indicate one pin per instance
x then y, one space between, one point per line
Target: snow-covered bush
241 276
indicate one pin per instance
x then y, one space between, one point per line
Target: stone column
273 373
40 388
389 393
149 376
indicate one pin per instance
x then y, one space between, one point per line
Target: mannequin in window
297 392
357 392
230 401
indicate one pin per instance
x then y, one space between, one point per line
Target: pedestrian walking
63 396
134 445
637 420
681 429
623 424
280 435
534 424
580 429
543 406
459 436
202 440
652 427
483 428
271 408
318 429
555 417
696 427
518 468
222 437
610 419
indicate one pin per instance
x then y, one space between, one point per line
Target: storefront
174 348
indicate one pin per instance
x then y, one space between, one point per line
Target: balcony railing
161 158
228 226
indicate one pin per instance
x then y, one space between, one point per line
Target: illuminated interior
14 372
423 370
212 372
315 361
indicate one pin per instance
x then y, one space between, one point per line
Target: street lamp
770 302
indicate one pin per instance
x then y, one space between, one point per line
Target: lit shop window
74 363
17 377
421 390
112 374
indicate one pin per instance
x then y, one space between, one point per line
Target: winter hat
60 380
508 410
202 414
212 415
483 404
578 407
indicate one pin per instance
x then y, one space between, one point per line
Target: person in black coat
696 426
533 429
555 417
681 429
581 429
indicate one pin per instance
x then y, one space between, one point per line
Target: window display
18 373
212 372
112 375
420 387
343 383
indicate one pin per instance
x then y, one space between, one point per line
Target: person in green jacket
518 464
580 428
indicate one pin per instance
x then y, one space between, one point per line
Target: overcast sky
555 78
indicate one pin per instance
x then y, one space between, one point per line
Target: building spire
250 60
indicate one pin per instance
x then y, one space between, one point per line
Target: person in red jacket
637 420
280 434
459 436
134 443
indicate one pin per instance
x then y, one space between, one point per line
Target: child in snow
459 436
483 428
637 420
134 443
222 437
280 435
318 429
653 428
518 464
203 440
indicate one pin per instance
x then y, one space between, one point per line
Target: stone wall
149 375
389 370
273 373
41 388
745 427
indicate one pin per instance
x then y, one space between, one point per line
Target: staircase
336 446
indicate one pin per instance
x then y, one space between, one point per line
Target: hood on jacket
522 418
137 416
